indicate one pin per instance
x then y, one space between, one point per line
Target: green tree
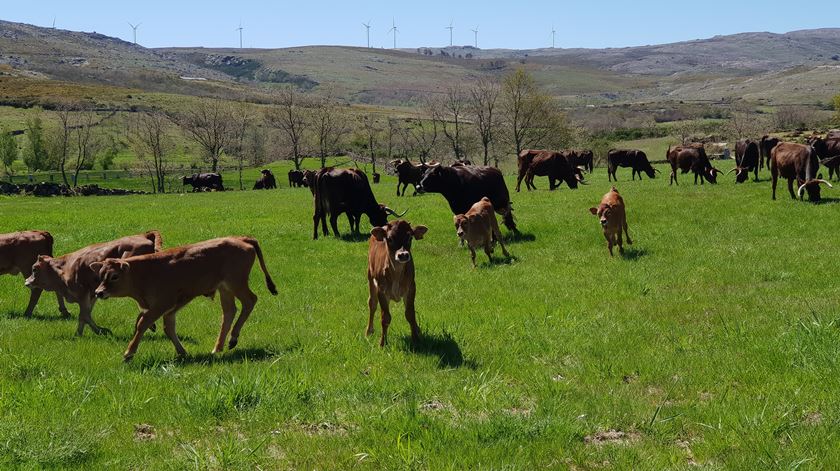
35 154
837 109
8 150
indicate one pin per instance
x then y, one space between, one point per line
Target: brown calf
18 252
479 228
162 283
391 273
613 219
71 276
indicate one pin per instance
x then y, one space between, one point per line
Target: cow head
604 211
398 236
379 216
741 175
650 171
812 187
463 223
45 275
437 179
113 276
710 174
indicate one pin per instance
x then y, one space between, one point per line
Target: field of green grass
713 341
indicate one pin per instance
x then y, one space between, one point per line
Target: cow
633 158
747 159
464 186
266 181
204 182
461 162
796 162
833 166
583 158
390 274
164 282
479 228
296 178
346 191
523 163
611 214
309 180
72 277
408 174
557 167
18 252
692 157
765 145
826 149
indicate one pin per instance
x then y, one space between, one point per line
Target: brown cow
162 283
765 145
691 157
523 163
557 167
18 252
479 228
800 162
72 277
747 159
613 219
828 150
391 274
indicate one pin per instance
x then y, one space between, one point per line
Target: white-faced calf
613 219
478 228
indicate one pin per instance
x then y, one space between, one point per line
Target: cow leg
497 234
755 173
62 308
488 249
169 328
552 184
790 188
627 234
633 174
228 313
34 295
351 221
386 317
619 242
775 181
315 219
372 301
411 314
519 181
472 255
140 316
334 224
85 309
248 300
609 242
147 318
398 188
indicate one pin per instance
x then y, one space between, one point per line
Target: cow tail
49 238
156 238
269 283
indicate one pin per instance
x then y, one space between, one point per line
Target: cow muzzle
29 282
604 222
100 294
403 256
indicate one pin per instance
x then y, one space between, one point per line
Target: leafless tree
152 144
88 142
61 139
450 109
208 123
329 126
483 97
289 116
422 136
370 129
391 137
243 121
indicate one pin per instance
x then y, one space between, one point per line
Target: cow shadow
442 346
828 200
361 237
518 237
632 254
40 317
499 261
238 355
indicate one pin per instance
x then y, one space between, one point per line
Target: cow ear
455 218
593 211
96 267
378 233
420 231
44 258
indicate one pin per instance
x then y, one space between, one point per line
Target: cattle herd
164 281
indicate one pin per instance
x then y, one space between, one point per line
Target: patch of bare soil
144 432
611 437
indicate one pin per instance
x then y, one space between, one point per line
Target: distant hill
801 66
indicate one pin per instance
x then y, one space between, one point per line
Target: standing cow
408 174
796 162
613 219
583 158
18 252
633 158
765 145
693 158
557 166
747 159
478 228
296 178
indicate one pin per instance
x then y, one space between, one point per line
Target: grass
714 340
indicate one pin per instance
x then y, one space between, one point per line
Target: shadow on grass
633 254
442 346
518 237
361 237
497 261
237 355
828 200
40 317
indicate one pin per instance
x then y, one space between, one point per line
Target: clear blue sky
508 24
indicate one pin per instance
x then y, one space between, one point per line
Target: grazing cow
833 166
408 174
692 157
162 283
523 163
796 162
827 151
72 277
204 182
390 274
479 228
557 167
464 186
296 178
635 159
346 191
266 181
747 159
581 158
765 145
18 252
611 213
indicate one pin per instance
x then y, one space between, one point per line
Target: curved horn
436 164
734 169
826 182
394 213
656 170
799 191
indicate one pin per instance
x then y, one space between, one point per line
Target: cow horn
436 164
394 213
734 169
656 170
802 187
826 182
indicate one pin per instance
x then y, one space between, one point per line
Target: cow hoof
64 314
368 332
127 357
232 344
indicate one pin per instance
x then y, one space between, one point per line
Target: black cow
747 159
581 158
765 145
557 167
296 179
635 159
691 157
408 174
204 181
463 186
345 191
266 181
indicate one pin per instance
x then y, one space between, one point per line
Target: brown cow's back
20 250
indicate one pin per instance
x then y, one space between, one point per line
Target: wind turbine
53 23
394 30
367 26
450 28
553 32
133 27
476 36
240 28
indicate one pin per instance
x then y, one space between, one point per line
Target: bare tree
289 115
329 126
528 112
87 143
208 123
451 110
482 106
391 135
148 135
421 136
243 120
369 128
61 139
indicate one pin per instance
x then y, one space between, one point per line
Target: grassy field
713 341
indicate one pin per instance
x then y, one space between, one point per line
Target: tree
289 115
450 110
529 116
87 143
243 120
482 106
152 144
329 126
8 151
837 109
421 136
35 154
370 130
743 125
61 141
208 123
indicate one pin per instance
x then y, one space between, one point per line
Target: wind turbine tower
475 31
133 27
367 26
240 28
553 32
394 30
450 28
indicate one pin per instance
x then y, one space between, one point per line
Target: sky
501 24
